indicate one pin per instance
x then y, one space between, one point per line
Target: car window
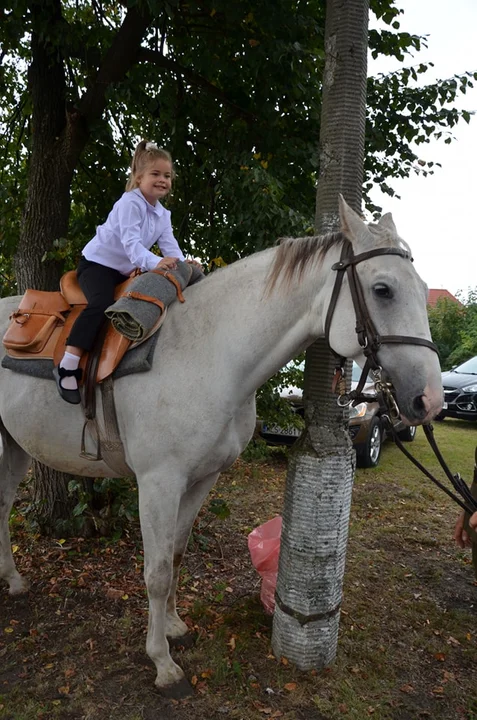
469 367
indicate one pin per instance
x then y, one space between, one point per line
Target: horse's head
393 298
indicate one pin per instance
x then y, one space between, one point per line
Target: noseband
368 337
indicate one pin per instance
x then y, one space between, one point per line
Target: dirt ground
74 646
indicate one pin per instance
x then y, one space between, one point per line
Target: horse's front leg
190 505
14 463
158 511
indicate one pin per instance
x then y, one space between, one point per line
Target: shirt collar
158 209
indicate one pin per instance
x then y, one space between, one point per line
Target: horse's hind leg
190 505
14 463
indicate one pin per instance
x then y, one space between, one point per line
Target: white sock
69 362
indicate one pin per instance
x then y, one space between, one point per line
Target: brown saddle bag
33 323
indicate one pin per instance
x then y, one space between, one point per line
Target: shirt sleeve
130 221
166 241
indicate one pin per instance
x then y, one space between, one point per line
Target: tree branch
159 60
120 57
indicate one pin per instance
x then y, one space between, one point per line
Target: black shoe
71 396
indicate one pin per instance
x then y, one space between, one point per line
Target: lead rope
467 502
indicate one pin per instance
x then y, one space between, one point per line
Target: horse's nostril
420 405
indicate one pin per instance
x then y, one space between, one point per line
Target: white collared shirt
123 242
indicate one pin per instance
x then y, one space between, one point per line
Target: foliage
235 93
271 406
454 328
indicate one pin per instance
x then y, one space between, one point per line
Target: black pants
98 283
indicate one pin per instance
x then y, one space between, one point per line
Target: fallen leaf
407 689
440 656
290 686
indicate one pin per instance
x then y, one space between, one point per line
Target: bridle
368 337
370 342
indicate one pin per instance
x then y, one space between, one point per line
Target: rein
371 341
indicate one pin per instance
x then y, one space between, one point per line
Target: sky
434 214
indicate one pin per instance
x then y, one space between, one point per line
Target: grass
408 637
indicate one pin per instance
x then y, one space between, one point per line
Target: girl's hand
473 521
196 263
167 263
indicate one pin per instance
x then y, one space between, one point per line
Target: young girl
121 245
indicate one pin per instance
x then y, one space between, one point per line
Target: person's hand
473 521
196 263
167 263
461 536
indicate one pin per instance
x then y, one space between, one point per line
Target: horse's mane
294 255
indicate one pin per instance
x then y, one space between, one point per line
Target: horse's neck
251 334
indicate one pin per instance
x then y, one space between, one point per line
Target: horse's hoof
177 691
184 642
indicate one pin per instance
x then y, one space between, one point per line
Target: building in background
436 295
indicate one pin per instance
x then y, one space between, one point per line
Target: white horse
192 414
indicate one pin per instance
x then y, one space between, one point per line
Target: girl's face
156 180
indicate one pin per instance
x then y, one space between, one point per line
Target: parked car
365 427
460 391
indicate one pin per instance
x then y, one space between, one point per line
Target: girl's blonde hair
145 154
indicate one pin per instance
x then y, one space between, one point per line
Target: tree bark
320 475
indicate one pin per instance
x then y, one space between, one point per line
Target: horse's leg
158 512
190 505
14 463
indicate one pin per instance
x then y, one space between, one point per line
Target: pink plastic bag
264 547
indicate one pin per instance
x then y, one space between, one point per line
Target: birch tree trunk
321 469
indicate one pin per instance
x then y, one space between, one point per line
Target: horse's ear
351 224
387 222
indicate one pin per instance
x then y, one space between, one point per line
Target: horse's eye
382 290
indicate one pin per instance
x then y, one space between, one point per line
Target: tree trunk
60 133
320 475
45 219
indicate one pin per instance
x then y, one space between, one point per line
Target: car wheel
369 454
408 434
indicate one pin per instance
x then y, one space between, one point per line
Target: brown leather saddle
40 327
